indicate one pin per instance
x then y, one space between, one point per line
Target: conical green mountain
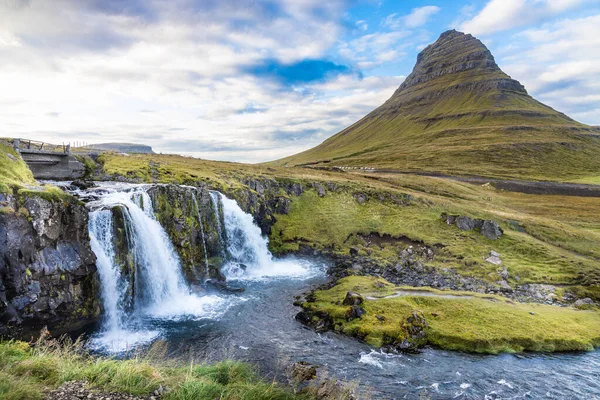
459 113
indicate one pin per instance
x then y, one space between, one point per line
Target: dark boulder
491 230
355 312
465 223
353 299
302 371
215 274
83 185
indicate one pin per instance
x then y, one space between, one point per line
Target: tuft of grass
27 373
465 321
13 172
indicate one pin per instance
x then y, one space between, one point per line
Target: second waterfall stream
155 289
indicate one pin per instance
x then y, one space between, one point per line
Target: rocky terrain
47 268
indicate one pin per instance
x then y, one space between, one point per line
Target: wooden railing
33 146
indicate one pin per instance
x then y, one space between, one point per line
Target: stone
302 371
47 268
494 260
361 198
215 273
83 185
491 230
282 205
504 286
583 302
320 189
11 157
296 189
334 390
451 219
354 251
353 299
465 223
332 187
355 312
494 254
414 329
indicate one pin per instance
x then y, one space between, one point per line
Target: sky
252 80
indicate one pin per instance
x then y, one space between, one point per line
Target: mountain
124 147
459 113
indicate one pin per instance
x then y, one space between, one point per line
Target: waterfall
160 289
245 246
215 198
101 230
201 226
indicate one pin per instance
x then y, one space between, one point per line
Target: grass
332 221
27 373
470 322
13 173
462 123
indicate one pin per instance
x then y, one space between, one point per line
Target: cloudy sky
253 81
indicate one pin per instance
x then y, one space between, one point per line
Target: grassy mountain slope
458 113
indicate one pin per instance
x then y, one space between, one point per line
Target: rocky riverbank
47 268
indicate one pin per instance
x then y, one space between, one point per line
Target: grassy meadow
27 373
463 321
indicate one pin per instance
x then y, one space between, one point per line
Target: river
258 324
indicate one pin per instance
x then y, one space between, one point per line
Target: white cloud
418 17
502 15
74 73
559 63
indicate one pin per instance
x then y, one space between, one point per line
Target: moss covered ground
13 170
465 322
28 373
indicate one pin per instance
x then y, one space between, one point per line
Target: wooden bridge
49 161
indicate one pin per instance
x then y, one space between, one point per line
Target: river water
258 325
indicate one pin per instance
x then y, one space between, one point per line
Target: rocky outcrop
488 228
47 268
189 218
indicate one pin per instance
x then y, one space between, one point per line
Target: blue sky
258 80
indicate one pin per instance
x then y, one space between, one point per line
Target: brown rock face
454 63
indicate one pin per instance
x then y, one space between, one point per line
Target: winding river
258 325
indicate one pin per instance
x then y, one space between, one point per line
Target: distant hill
124 147
459 113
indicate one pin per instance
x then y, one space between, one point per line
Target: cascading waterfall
160 289
101 230
201 226
215 198
245 246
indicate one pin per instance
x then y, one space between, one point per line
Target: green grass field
28 373
466 322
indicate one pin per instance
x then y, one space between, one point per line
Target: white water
160 289
246 245
201 226
215 199
101 228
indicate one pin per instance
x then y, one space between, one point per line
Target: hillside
124 147
459 113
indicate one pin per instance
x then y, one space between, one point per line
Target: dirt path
528 187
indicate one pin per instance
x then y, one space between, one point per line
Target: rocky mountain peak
456 58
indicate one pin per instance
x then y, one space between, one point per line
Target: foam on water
245 245
160 289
